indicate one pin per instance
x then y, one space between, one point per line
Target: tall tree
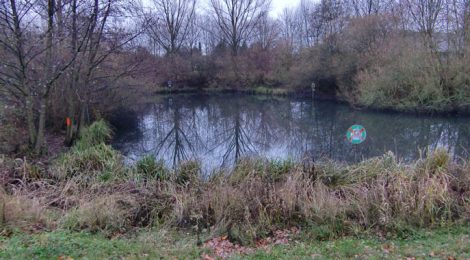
104 39
266 32
466 24
363 8
237 19
50 77
425 15
172 23
70 44
288 25
31 66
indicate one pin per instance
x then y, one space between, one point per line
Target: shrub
258 197
111 213
270 170
97 133
379 193
188 173
149 168
90 158
11 131
95 161
24 212
408 78
435 162
276 169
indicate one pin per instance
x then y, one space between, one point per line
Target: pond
217 130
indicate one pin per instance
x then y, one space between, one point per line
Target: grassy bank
89 189
151 244
260 90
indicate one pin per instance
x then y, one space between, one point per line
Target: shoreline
280 92
250 203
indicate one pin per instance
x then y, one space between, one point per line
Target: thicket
89 188
371 62
11 131
370 53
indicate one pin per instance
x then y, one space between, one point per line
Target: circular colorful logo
356 134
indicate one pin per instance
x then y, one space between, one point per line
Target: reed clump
91 159
255 198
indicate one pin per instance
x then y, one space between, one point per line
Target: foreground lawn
440 244
72 245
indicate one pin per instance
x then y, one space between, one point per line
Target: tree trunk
70 97
30 120
20 55
466 28
41 126
82 120
46 87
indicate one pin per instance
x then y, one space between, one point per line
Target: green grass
149 168
97 133
437 244
144 245
91 157
259 90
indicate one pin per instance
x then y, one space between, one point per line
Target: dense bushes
97 133
409 78
90 159
90 188
11 130
376 194
250 201
370 62
148 168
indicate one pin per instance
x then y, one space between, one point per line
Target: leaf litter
222 247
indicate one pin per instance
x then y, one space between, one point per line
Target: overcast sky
278 5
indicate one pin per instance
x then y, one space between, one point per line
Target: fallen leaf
64 258
207 257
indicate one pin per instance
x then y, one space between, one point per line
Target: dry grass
24 212
254 199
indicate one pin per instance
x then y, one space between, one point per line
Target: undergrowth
91 159
89 188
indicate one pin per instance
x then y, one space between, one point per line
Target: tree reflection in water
219 130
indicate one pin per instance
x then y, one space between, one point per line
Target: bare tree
370 7
466 24
237 19
74 41
332 13
208 36
171 23
457 22
288 26
103 39
15 63
31 65
266 32
305 14
50 77
426 14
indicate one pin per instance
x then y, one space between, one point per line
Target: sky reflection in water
217 130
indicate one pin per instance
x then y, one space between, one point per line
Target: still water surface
218 130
